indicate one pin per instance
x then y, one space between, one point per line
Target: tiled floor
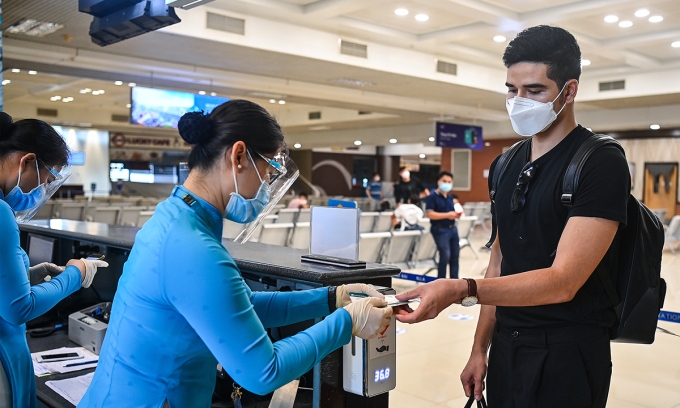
432 354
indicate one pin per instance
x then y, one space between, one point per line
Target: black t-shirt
402 190
529 238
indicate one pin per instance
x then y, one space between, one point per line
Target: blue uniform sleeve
277 309
19 301
207 289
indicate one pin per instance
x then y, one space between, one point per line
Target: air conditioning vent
353 49
314 115
365 112
226 23
47 112
447 68
612 85
120 118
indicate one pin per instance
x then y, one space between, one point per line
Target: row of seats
122 213
410 249
672 240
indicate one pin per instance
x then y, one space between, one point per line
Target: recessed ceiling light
132 84
282 102
101 91
6 81
16 70
585 62
655 19
625 24
272 101
119 83
499 38
32 72
393 141
401 12
85 90
675 44
642 13
67 99
611 19
129 105
55 98
422 155
431 139
201 92
422 17
357 143
34 28
95 93
213 93
487 144
297 145
654 127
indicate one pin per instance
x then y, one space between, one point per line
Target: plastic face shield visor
280 181
58 180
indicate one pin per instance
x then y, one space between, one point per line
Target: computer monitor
40 249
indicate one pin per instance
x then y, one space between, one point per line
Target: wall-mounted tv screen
77 159
163 108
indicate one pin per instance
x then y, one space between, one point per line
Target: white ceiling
290 49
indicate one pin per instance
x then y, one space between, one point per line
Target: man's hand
452 215
434 297
474 373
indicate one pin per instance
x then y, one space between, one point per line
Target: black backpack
640 291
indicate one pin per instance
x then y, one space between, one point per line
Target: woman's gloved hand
44 272
88 268
370 316
342 292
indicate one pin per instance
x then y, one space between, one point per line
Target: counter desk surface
273 260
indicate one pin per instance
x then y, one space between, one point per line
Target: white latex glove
91 266
342 292
369 316
44 272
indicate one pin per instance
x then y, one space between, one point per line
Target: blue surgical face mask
245 210
20 201
445 187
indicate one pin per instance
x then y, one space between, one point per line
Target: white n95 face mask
529 117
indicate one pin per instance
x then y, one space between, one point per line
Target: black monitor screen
40 249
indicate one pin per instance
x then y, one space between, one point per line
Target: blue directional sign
667 316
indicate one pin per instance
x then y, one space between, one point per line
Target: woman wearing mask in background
182 305
32 155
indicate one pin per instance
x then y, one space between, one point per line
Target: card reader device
369 366
88 326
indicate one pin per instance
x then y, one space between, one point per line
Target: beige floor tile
431 355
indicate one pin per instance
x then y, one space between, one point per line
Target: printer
87 327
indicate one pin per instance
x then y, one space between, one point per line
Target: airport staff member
32 155
440 208
182 305
545 315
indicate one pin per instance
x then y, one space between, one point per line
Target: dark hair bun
5 123
195 127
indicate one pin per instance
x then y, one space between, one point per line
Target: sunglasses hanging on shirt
519 196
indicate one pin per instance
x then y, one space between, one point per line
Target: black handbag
480 404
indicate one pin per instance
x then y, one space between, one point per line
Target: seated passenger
406 216
182 305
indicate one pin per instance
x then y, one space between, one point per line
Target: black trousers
566 367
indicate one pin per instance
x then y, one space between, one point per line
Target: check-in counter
264 267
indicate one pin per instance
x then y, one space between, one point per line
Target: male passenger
442 212
408 186
545 313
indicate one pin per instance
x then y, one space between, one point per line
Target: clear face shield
280 181
60 178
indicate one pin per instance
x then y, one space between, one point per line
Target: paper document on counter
72 389
40 369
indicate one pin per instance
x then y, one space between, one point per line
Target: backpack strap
570 186
501 166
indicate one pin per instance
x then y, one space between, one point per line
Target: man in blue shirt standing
439 208
374 191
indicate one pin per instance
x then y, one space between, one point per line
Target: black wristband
332 298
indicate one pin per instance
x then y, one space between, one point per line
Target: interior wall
481 160
333 173
95 144
641 151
